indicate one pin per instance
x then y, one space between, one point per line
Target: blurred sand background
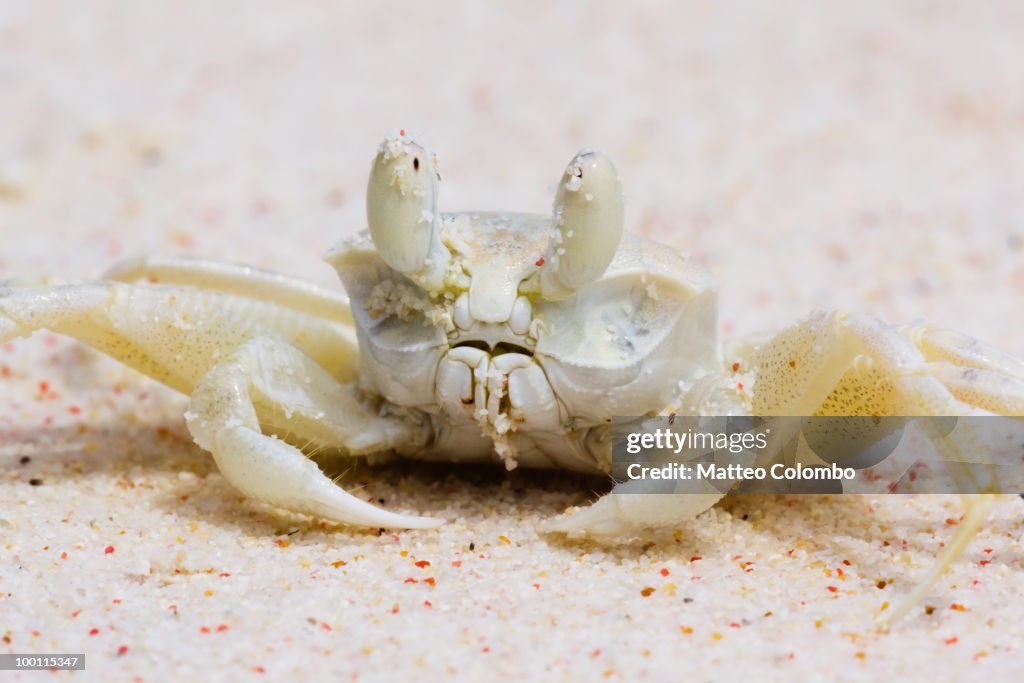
843 155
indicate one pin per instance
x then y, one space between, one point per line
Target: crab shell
497 366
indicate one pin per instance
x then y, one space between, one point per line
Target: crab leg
849 364
837 364
974 372
238 279
269 374
188 339
852 364
174 335
621 513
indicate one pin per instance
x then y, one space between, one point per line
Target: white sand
851 155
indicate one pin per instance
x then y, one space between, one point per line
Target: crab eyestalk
587 225
401 209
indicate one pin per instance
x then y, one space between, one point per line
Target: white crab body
498 369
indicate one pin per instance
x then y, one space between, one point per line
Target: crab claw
587 225
401 209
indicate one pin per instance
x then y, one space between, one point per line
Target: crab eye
401 209
587 224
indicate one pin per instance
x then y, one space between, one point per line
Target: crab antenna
401 209
587 224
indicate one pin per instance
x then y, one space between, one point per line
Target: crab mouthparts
498 349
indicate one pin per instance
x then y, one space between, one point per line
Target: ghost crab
489 336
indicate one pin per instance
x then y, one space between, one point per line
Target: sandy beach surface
865 156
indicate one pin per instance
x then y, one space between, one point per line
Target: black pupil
415 163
